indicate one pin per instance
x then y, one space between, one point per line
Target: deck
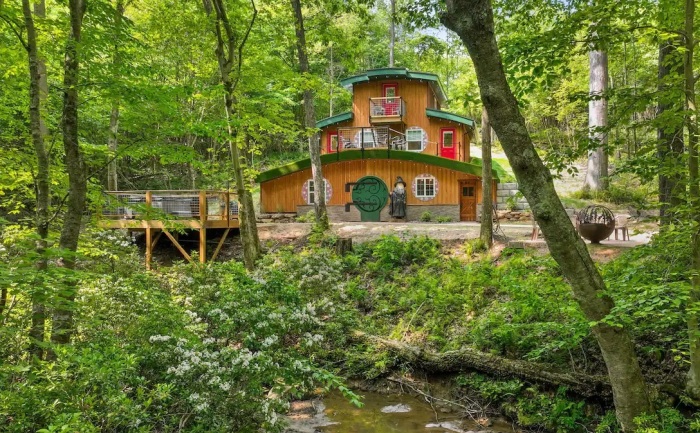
167 212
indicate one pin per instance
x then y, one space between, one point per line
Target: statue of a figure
398 199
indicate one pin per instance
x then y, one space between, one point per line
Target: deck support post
149 251
177 245
203 211
220 244
202 245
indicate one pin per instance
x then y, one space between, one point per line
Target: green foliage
443 219
426 217
529 406
309 217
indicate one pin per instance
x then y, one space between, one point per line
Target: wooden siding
284 193
417 96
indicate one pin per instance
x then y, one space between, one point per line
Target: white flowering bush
247 353
195 348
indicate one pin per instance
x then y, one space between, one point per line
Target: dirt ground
452 235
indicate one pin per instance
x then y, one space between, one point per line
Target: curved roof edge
430 112
351 155
338 118
378 74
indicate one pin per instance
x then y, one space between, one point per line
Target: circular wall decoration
309 186
425 187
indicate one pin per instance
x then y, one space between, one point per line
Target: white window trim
311 194
423 141
425 178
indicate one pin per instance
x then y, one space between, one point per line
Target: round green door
369 195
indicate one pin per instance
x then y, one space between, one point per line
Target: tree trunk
392 39
693 383
228 52
310 122
112 139
77 181
486 181
473 22
670 134
37 330
597 172
465 359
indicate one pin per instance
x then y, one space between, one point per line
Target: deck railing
177 204
378 137
386 108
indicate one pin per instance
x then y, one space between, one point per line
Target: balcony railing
387 110
193 204
378 137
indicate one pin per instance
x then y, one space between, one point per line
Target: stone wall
507 190
413 213
276 217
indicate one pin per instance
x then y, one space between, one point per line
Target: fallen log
470 359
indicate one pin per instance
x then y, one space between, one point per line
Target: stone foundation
413 212
277 217
507 197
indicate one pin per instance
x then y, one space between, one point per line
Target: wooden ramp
168 212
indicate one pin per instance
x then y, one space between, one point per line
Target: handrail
165 204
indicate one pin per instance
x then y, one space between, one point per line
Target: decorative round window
308 191
425 187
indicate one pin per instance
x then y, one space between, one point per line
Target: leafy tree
473 22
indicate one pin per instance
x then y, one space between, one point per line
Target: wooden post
227 209
149 250
203 229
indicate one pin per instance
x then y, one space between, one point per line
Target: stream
381 413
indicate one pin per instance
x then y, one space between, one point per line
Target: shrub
444 219
426 217
309 217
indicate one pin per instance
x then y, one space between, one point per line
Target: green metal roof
430 112
338 118
351 155
397 73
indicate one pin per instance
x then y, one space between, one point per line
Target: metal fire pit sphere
595 223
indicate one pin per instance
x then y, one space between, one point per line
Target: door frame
390 108
329 141
466 183
443 149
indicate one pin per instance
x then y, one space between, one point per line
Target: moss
351 155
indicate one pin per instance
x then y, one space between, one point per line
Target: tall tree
113 137
229 54
472 20
693 382
77 177
670 126
320 210
597 169
392 36
37 74
486 181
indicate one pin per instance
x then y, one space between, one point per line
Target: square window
425 187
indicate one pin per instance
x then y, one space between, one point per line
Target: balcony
379 137
193 209
387 110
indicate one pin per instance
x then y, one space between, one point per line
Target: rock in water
396 408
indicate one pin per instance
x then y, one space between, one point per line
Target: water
393 413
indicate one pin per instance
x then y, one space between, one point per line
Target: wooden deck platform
164 212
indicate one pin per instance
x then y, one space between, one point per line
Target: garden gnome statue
398 199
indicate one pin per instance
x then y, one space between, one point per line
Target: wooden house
397 128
